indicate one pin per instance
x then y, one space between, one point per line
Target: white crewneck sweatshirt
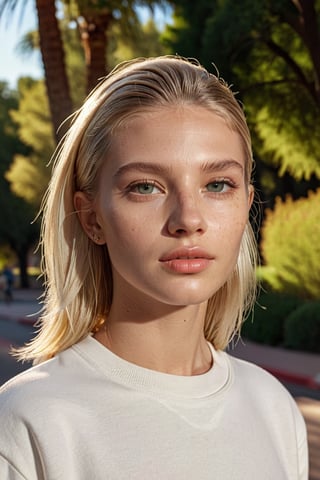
89 415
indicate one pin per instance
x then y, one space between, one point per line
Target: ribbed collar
138 378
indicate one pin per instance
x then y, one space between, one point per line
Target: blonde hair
77 272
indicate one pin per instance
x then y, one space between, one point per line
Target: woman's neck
169 341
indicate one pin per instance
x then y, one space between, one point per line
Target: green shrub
302 328
266 323
290 246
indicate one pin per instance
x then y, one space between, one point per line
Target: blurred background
52 53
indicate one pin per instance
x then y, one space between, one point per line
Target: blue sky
12 63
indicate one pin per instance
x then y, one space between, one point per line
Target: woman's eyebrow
143 167
220 165
148 167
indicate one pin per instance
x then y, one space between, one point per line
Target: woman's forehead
193 136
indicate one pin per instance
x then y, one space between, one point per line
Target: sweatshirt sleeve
303 454
19 453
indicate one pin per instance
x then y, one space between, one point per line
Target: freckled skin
142 215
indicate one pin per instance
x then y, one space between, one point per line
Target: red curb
27 321
295 378
5 343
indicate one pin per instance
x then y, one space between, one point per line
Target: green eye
145 188
216 187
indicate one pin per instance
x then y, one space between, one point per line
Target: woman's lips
186 260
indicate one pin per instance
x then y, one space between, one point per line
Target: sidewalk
24 308
296 367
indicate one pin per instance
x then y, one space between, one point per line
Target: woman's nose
186 217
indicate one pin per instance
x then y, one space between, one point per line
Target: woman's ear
250 195
88 218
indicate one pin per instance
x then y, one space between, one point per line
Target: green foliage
185 35
266 324
291 248
226 38
280 104
29 174
17 231
302 328
146 43
9 141
286 147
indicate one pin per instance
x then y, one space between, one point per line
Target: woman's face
172 205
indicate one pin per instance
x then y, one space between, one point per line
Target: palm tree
93 24
53 59
54 65
94 19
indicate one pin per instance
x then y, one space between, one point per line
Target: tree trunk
312 39
54 65
93 31
305 23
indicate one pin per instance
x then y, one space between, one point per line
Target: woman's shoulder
262 395
252 375
26 390
262 387
42 383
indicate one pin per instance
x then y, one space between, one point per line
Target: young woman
149 264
